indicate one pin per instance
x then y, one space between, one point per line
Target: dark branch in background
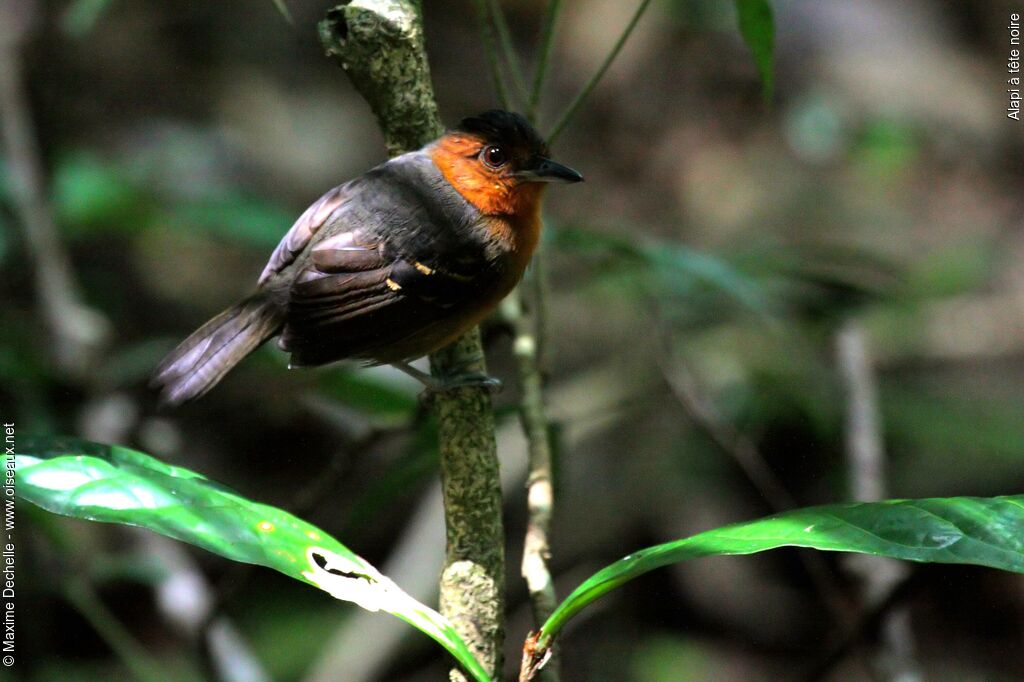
380 45
78 332
82 595
865 625
305 500
706 416
865 454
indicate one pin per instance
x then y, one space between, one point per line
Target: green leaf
955 530
117 485
758 30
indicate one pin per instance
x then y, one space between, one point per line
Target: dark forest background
700 283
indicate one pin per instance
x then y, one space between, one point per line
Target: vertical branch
78 332
473 580
863 433
380 45
866 462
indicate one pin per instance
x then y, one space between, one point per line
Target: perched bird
392 265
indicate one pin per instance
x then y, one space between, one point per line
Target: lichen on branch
380 45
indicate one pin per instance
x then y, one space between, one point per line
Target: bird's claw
466 379
453 380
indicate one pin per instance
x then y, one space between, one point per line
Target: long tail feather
201 361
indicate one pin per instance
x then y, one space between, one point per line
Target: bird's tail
201 361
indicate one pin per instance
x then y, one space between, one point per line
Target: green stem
592 83
490 51
508 47
547 35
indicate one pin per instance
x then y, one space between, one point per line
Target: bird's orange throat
513 207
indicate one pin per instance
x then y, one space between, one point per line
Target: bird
392 265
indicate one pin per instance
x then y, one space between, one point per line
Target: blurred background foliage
719 245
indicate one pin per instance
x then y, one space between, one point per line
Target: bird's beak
546 170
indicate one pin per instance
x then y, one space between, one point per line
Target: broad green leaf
114 484
758 30
955 530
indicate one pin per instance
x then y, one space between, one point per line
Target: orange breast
513 207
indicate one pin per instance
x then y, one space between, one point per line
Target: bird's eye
494 156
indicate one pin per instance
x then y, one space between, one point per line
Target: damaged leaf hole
321 561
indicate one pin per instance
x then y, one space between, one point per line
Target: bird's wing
301 233
382 266
353 299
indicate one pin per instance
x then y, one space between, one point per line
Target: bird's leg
456 378
419 375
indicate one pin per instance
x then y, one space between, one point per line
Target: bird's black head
505 128
512 146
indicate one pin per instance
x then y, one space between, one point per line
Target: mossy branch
380 45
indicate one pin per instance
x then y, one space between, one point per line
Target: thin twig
547 34
706 417
508 47
741 448
491 52
596 78
868 622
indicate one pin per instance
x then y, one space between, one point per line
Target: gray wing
302 231
394 261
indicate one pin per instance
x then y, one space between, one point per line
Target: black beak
546 170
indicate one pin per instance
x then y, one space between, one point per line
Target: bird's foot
457 378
